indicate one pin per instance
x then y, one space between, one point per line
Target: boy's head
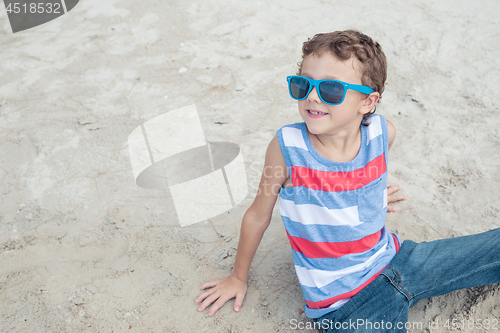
350 43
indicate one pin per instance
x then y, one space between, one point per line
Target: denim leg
419 270
379 307
435 268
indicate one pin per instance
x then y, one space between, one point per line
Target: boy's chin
314 128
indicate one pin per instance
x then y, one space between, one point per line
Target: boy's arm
391 188
254 224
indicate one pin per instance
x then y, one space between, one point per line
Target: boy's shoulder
376 122
293 135
384 125
374 117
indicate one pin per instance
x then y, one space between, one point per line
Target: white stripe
374 129
313 214
292 137
319 278
338 304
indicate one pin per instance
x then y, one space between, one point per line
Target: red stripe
333 249
327 302
396 243
338 181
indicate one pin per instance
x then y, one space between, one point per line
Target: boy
355 275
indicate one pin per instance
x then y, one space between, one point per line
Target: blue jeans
418 270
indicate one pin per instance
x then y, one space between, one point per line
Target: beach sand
85 249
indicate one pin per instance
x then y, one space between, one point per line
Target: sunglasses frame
315 83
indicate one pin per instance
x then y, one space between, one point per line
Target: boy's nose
313 96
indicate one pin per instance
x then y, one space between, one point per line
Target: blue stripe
373 191
332 200
326 233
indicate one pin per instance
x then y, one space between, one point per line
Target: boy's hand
393 197
222 291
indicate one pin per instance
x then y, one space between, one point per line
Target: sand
85 249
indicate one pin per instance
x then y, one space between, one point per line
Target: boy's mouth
315 113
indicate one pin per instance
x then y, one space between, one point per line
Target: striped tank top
334 215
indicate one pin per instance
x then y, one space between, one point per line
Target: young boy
330 173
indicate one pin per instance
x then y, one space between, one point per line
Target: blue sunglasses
331 92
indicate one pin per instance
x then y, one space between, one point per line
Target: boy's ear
370 102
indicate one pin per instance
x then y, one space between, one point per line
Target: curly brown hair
345 44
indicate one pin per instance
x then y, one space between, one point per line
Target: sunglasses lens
299 87
331 91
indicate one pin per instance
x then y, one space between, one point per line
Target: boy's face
345 117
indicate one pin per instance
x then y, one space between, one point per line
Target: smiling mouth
316 112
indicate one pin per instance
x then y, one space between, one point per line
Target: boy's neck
339 146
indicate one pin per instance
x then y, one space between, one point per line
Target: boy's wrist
240 277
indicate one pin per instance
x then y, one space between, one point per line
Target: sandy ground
85 249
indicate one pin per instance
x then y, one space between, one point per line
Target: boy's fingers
392 189
389 185
209 300
238 301
204 295
209 284
220 302
393 198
